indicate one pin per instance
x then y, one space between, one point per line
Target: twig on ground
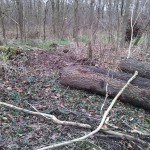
122 135
48 116
134 130
139 132
109 124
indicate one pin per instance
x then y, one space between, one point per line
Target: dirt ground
32 81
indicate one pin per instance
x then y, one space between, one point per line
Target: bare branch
100 125
48 116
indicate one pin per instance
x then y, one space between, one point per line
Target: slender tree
125 21
53 16
76 21
2 15
45 19
20 18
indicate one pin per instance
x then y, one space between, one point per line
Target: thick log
139 81
130 65
84 77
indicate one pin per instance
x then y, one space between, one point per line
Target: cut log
86 78
130 65
139 81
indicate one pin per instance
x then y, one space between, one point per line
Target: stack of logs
95 79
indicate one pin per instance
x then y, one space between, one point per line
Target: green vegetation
23 130
104 38
87 145
53 43
47 44
142 41
84 39
7 53
16 97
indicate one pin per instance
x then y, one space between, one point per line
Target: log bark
130 65
86 78
139 81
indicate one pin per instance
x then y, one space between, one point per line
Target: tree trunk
88 78
130 65
91 29
58 18
44 21
20 18
124 22
90 50
148 37
53 17
76 22
2 22
136 9
110 20
95 30
118 23
122 6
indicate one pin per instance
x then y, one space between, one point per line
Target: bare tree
118 22
124 22
45 17
110 19
2 15
58 18
99 10
135 13
20 18
53 16
91 26
76 21
122 7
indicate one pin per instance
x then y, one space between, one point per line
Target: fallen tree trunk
130 65
139 81
84 77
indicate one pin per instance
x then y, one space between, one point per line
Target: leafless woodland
48 19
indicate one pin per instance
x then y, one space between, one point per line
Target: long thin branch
48 116
122 135
100 125
86 126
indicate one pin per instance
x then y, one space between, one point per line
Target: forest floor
32 81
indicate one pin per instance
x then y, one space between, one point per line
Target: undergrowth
46 94
7 53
